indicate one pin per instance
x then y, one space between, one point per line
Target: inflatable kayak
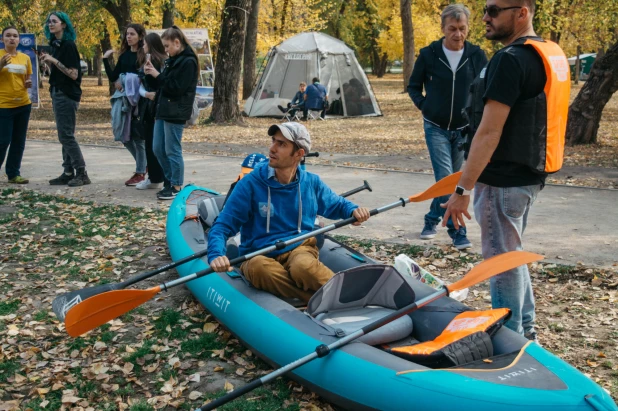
388 371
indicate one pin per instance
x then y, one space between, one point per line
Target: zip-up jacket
266 211
445 92
176 87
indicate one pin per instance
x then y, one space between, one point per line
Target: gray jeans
502 214
65 111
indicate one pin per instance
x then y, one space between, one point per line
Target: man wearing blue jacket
446 68
279 201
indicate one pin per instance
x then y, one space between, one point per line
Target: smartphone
147 56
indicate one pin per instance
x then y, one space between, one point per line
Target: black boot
81 179
63 180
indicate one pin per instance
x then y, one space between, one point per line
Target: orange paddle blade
443 187
99 309
494 266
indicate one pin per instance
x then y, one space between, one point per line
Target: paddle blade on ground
494 266
99 309
444 187
64 302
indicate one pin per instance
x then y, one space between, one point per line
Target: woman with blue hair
65 89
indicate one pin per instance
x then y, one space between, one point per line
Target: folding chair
291 114
315 114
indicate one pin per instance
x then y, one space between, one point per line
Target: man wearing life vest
518 113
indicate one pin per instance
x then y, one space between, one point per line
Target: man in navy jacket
446 68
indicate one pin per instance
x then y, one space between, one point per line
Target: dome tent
303 57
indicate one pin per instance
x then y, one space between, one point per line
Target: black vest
524 136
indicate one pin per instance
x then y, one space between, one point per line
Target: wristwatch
462 191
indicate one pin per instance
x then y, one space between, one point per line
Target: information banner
27 45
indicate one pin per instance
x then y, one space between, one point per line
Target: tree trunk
120 11
337 30
106 44
229 61
379 63
408 40
585 112
98 60
578 65
284 12
89 63
249 60
168 13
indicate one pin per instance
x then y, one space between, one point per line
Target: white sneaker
146 184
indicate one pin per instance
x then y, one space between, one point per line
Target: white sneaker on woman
146 184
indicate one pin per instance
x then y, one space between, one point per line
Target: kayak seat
208 209
467 338
350 320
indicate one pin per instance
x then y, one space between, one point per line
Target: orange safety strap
461 326
557 91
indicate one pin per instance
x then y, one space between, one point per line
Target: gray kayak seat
353 319
209 208
358 296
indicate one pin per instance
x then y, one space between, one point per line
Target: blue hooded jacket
293 209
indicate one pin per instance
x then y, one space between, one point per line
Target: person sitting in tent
297 103
280 201
315 98
246 167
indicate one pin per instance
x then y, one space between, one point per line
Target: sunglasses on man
493 11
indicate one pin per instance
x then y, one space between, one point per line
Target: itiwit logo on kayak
219 300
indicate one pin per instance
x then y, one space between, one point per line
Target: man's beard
500 34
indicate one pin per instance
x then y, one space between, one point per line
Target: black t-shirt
67 54
127 63
513 74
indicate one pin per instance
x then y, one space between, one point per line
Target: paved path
567 224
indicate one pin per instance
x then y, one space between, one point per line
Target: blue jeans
502 214
446 158
167 148
13 129
137 148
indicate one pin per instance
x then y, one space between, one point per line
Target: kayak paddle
64 302
101 308
487 269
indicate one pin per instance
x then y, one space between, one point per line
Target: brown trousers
295 274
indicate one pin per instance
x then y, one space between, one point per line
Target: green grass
170 317
9 307
271 398
40 316
556 327
77 344
54 398
141 406
142 351
7 369
199 347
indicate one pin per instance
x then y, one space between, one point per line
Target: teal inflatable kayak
516 375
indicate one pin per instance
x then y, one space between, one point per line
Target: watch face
459 190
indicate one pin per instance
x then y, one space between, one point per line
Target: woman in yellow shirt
15 105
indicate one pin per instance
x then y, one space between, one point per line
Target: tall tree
249 60
229 61
169 7
407 29
586 110
120 11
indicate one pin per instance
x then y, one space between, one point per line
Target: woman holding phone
155 54
130 59
65 81
176 82
15 105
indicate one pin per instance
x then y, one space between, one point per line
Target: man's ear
300 153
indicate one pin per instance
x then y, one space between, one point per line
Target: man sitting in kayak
279 201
